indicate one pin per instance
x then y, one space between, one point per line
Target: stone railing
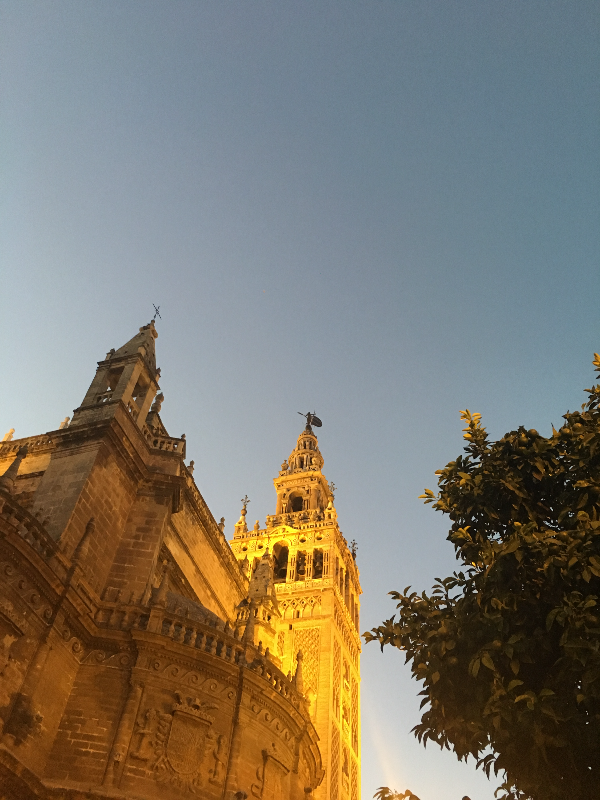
167 444
30 529
302 519
32 442
104 397
201 636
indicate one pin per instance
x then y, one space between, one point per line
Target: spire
249 629
143 343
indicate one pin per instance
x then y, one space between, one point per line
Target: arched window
317 563
280 559
296 503
301 565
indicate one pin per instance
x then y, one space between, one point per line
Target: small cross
157 314
245 501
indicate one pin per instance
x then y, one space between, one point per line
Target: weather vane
157 314
311 419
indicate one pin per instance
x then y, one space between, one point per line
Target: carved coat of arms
177 745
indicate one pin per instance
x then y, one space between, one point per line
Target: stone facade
304 594
133 646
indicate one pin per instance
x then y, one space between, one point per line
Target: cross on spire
157 312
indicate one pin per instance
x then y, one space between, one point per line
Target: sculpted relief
180 747
273 774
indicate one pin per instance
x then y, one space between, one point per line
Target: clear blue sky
384 211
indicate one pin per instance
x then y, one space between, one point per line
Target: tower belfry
317 589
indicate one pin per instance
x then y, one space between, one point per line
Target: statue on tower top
311 419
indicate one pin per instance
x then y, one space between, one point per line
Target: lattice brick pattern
355 715
308 640
334 763
280 643
354 781
337 677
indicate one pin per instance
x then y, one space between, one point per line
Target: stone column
123 736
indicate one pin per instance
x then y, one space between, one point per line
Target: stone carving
24 721
272 774
217 773
8 612
11 671
176 746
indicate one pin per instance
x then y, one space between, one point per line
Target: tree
508 648
383 793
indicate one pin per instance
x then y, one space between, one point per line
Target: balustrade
167 444
204 636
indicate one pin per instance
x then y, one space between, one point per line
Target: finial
7 480
8 436
158 401
191 467
161 595
353 548
157 312
298 679
221 525
64 423
257 525
245 500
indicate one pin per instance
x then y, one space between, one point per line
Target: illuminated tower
314 608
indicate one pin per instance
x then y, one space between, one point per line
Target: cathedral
143 656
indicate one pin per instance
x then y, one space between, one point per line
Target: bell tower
317 590
127 375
